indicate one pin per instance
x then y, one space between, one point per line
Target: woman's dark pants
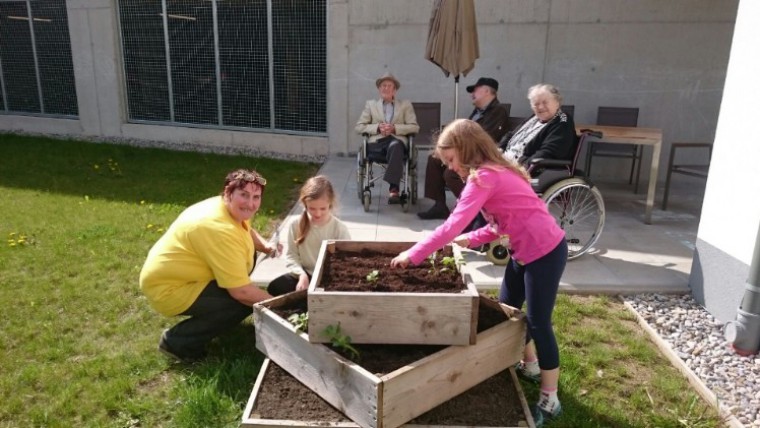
213 313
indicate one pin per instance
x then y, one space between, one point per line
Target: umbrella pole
456 97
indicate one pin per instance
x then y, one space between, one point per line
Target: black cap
484 81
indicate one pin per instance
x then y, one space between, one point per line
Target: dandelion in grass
19 240
142 202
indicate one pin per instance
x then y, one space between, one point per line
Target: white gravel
697 338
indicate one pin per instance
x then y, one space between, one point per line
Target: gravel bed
697 338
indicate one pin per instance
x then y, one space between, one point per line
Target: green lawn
79 341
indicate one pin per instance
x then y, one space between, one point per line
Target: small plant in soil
448 263
341 341
300 321
373 276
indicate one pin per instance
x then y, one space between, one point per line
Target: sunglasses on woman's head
250 177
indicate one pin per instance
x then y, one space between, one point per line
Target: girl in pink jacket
501 190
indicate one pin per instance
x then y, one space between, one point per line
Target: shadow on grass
215 391
133 174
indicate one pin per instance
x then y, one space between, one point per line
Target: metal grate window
300 62
36 68
227 63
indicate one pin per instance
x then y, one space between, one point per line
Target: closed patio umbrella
452 42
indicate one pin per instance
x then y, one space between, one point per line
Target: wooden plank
395 318
702 389
523 401
340 382
631 134
252 422
421 386
398 397
390 318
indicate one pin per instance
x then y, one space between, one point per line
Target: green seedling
431 259
340 340
373 276
449 263
300 321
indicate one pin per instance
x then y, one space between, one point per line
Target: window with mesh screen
209 62
36 68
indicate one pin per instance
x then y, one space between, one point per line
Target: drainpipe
744 333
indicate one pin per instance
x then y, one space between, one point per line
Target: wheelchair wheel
404 201
413 186
360 175
497 253
366 200
579 211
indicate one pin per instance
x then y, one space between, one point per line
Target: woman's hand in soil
462 241
401 260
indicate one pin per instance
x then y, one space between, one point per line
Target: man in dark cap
492 117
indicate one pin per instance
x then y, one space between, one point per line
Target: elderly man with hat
492 117
388 121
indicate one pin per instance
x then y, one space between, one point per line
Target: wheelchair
572 199
365 176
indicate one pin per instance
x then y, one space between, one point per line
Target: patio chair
691 169
429 119
617 116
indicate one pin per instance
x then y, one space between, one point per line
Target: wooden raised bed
389 400
253 419
441 318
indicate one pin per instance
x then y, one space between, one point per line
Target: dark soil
493 402
348 270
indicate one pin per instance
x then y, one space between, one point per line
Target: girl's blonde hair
474 147
315 188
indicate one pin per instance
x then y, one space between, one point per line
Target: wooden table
638 136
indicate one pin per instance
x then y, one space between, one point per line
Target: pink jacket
512 210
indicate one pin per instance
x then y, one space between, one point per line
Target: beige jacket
403 117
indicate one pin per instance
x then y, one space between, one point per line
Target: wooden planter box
387 317
252 420
390 400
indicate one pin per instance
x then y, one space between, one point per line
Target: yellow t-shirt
203 244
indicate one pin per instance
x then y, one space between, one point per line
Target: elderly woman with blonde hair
549 133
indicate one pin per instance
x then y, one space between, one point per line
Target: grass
612 375
79 340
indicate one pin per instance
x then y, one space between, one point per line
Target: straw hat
388 76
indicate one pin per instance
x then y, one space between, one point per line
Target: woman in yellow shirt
200 267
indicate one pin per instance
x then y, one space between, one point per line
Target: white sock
531 367
548 400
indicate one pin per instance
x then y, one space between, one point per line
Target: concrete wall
667 58
731 209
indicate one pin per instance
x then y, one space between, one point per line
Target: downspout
744 333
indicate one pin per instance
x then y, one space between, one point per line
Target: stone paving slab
630 257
